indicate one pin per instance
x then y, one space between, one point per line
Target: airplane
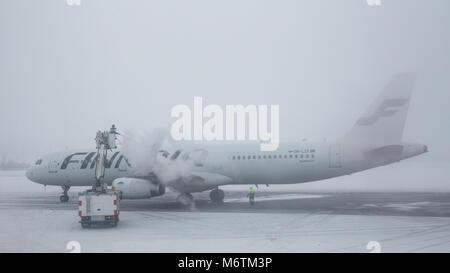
375 140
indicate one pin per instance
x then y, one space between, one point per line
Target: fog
67 71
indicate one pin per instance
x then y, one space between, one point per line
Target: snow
277 197
32 220
51 230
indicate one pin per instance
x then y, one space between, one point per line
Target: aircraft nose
29 174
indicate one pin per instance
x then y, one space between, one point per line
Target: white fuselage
76 168
241 163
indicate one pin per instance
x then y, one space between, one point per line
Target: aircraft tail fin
385 119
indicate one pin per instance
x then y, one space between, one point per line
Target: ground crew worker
251 196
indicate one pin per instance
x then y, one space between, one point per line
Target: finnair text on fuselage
88 160
236 126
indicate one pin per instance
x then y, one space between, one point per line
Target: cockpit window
39 162
164 153
197 156
175 155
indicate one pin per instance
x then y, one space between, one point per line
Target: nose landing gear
65 197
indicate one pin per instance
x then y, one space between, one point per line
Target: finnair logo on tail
386 109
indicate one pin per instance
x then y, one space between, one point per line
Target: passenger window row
249 157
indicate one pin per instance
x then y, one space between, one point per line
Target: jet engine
137 188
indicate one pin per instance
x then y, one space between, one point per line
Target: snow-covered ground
51 230
32 220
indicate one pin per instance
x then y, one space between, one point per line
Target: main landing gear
186 199
217 195
64 198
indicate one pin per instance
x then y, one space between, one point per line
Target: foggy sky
67 71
